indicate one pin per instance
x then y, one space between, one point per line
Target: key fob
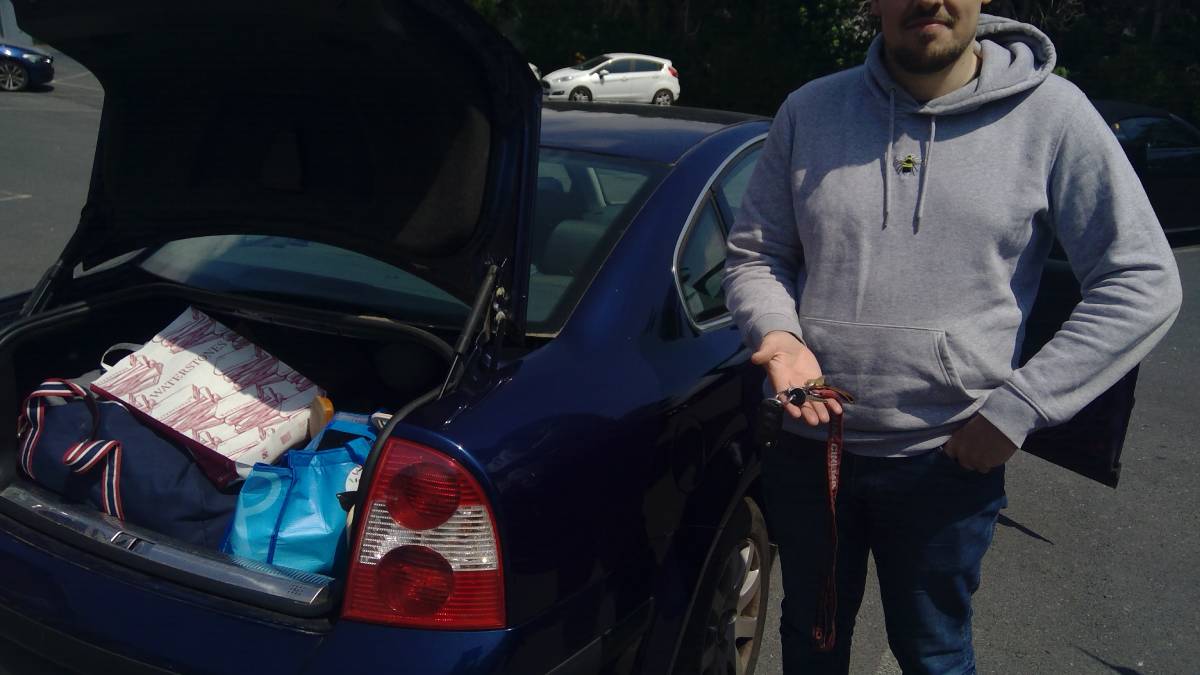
769 422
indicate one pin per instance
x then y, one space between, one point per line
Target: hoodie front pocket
902 378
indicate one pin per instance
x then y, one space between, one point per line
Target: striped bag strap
80 457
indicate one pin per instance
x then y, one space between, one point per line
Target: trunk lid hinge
486 322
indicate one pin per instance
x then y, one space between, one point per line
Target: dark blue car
569 485
22 67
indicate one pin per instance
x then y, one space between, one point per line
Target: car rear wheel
13 76
663 97
581 94
724 631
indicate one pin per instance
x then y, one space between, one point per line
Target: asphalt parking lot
1081 578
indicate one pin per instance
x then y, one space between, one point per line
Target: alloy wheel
12 76
735 613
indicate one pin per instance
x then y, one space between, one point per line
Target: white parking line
42 110
6 196
72 77
59 83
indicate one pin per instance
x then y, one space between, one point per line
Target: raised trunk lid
403 129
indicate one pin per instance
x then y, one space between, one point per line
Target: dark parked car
1165 151
569 369
22 67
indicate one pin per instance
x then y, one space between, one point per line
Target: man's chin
926 60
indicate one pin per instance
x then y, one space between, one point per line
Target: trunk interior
364 364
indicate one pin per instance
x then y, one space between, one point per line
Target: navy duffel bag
98 452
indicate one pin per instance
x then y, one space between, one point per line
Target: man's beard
924 62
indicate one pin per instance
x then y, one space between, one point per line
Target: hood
403 129
565 72
12 49
1016 57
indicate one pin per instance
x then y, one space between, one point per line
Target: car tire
13 76
724 631
663 97
581 94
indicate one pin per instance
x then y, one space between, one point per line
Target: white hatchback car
615 77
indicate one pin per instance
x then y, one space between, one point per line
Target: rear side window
731 187
644 66
701 267
584 203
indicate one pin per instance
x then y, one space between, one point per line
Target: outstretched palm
790 364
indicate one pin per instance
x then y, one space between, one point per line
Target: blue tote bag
290 515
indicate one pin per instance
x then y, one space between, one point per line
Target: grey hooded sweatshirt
903 242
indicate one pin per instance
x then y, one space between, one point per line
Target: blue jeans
926 520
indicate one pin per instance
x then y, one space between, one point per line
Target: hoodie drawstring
887 156
926 167
926 164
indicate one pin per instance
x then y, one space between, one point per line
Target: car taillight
427 552
674 73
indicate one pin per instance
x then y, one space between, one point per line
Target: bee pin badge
907 165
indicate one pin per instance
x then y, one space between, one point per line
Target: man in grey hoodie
892 239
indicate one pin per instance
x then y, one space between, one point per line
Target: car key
769 422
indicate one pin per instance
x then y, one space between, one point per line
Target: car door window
1131 129
700 268
731 186
1172 135
1157 132
620 67
644 66
1165 152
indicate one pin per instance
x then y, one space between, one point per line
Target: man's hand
979 446
790 364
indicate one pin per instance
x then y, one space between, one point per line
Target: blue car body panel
611 455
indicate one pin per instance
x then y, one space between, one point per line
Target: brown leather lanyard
767 428
825 623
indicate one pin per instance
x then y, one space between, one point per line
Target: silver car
635 78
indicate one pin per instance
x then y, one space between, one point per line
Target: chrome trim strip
283 590
725 319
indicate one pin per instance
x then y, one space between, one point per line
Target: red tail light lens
423 496
417 580
426 552
674 73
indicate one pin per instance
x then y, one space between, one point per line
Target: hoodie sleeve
764 257
1130 286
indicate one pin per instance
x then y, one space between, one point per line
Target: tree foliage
748 54
1144 51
